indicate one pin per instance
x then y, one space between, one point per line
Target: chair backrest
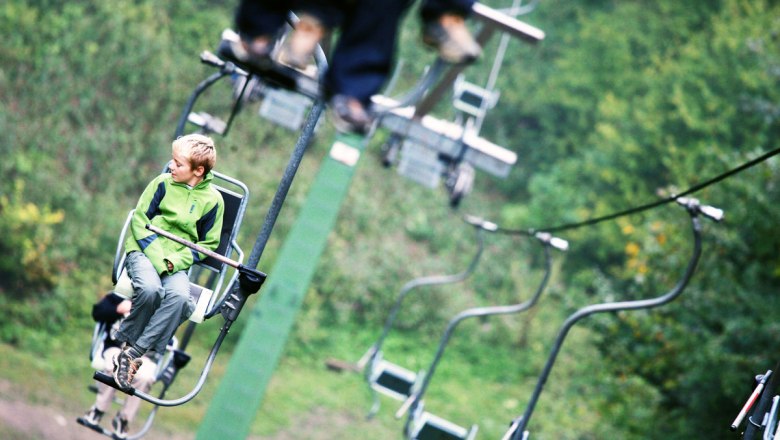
231 222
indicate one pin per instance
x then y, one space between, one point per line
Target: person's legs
148 293
144 379
316 20
257 18
258 23
105 393
432 9
176 306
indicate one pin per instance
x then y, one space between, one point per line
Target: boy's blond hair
198 149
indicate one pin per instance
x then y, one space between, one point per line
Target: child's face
182 171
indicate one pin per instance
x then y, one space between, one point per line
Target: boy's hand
123 308
169 265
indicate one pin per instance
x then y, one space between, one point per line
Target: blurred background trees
624 102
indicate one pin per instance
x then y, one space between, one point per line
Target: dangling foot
452 39
92 417
125 367
253 52
349 115
298 48
120 426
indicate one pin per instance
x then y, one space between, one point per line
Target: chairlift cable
647 206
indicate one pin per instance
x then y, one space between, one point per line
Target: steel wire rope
645 207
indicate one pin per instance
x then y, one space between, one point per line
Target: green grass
305 395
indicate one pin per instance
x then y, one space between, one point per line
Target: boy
111 309
184 203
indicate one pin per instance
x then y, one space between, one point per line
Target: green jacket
194 214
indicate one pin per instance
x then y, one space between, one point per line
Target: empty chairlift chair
422 425
393 380
517 429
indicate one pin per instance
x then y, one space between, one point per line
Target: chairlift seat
447 138
199 294
392 380
473 99
428 426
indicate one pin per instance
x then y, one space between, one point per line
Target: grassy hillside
610 111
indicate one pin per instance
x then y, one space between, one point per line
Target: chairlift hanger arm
225 68
694 209
432 280
414 400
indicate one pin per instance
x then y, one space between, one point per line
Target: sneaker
125 368
450 36
120 426
254 53
349 115
93 416
298 48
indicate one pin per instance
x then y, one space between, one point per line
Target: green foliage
623 102
26 264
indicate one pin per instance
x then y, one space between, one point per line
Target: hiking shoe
298 48
254 53
349 115
120 426
125 368
452 39
93 416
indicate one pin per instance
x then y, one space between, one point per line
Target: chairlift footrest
506 23
271 72
97 428
432 427
393 380
109 380
339 365
207 122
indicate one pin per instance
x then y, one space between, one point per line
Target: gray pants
160 304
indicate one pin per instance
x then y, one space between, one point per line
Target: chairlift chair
427 148
761 409
287 93
213 297
517 430
207 287
391 379
426 426
420 422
